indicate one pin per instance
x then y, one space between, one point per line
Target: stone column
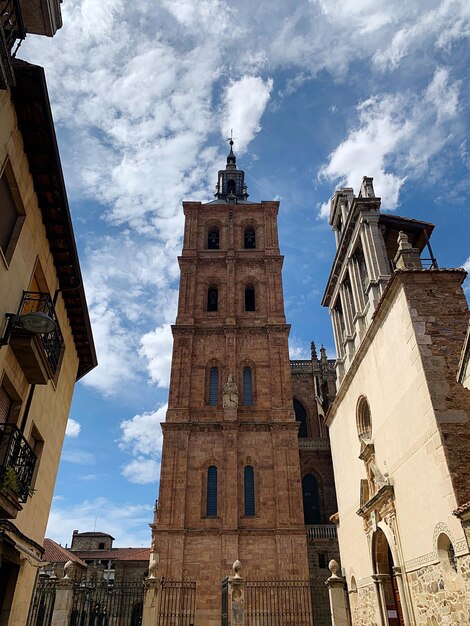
379 580
63 598
236 597
402 593
338 602
151 601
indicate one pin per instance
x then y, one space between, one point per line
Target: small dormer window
101 546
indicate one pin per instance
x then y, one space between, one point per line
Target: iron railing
11 22
98 603
278 603
321 531
42 606
17 461
177 603
52 343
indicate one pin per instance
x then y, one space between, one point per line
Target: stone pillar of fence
64 597
236 597
152 597
338 601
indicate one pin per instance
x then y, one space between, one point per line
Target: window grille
211 504
247 386
214 386
249 489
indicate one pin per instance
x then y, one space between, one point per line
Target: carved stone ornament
237 568
230 394
69 569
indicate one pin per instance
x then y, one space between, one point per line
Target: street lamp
37 323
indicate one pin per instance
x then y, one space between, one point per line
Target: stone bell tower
230 479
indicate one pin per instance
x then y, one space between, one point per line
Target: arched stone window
247 386
250 304
301 416
213 238
446 553
231 186
214 386
211 501
363 420
249 490
311 500
212 299
249 238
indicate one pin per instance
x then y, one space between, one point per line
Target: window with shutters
211 501
301 416
212 299
11 212
249 491
250 304
247 386
10 403
214 386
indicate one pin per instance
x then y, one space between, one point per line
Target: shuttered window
214 386
247 387
211 505
5 405
249 490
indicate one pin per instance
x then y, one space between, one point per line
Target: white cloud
142 471
244 103
73 428
142 434
156 347
80 457
126 521
466 265
395 138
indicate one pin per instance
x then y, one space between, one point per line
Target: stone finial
230 394
323 358
406 257
68 570
153 567
333 567
237 568
367 188
313 351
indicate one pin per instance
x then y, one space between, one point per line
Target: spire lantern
231 186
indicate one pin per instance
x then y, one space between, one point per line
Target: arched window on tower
249 238
213 239
363 420
249 491
311 500
301 416
247 386
250 304
211 501
231 186
214 386
212 299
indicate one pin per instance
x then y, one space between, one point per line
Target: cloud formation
73 428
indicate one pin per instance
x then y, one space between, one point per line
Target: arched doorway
311 500
389 596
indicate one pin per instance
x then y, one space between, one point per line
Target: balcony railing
38 355
11 23
321 531
17 462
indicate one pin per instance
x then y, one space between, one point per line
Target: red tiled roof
54 553
462 509
116 554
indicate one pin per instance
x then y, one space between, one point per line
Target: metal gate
278 603
177 603
42 606
102 604
320 603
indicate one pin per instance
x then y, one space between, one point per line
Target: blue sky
143 96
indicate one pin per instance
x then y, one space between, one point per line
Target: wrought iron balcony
38 355
17 463
11 30
321 531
